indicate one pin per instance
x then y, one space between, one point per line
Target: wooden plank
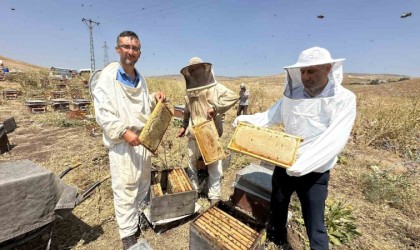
157 190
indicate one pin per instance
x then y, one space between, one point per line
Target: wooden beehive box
179 112
208 142
60 104
265 144
252 190
36 106
171 195
155 128
224 227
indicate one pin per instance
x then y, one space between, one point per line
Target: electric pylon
90 25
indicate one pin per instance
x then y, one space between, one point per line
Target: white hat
242 85
193 61
314 56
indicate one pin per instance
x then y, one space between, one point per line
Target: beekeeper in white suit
205 99
122 106
319 109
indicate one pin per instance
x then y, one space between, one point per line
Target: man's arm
265 119
105 110
185 121
225 99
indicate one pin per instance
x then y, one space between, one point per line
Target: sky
239 37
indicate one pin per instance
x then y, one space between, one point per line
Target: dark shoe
214 201
129 241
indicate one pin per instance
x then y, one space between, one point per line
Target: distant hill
19 65
348 77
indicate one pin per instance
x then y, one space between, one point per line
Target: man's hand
131 138
181 132
211 113
160 96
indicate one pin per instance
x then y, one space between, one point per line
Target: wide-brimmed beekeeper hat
314 56
194 61
204 79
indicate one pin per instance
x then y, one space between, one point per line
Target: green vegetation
385 187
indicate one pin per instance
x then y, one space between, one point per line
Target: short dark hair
127 33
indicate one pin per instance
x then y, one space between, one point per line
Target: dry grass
385 135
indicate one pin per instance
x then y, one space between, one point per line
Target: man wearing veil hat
317 108
205 99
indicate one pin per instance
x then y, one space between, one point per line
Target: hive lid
265 144
35 102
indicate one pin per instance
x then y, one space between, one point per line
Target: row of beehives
58 102
13 94
222 226
40 106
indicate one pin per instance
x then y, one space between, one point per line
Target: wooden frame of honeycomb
208 142
155 128
268 145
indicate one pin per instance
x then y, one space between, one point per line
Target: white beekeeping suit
118 108
324 121
203 92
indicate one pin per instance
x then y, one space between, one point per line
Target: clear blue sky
240 37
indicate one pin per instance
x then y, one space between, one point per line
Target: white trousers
215 170
130 174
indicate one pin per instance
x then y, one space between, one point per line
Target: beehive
265 144
36 106
171 195
208 142
152 133
224 227
60 104
179 112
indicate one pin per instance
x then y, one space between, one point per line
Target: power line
90 25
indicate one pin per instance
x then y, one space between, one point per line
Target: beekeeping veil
311 57
198 74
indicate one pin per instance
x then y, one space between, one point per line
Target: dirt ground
41 139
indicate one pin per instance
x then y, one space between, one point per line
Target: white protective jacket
119 107
324 122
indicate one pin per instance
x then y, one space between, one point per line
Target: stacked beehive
226 230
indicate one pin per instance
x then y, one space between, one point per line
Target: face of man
315 78
129 50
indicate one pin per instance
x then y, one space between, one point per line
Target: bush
340 223
384 187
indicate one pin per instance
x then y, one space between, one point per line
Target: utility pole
90 25
105 47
